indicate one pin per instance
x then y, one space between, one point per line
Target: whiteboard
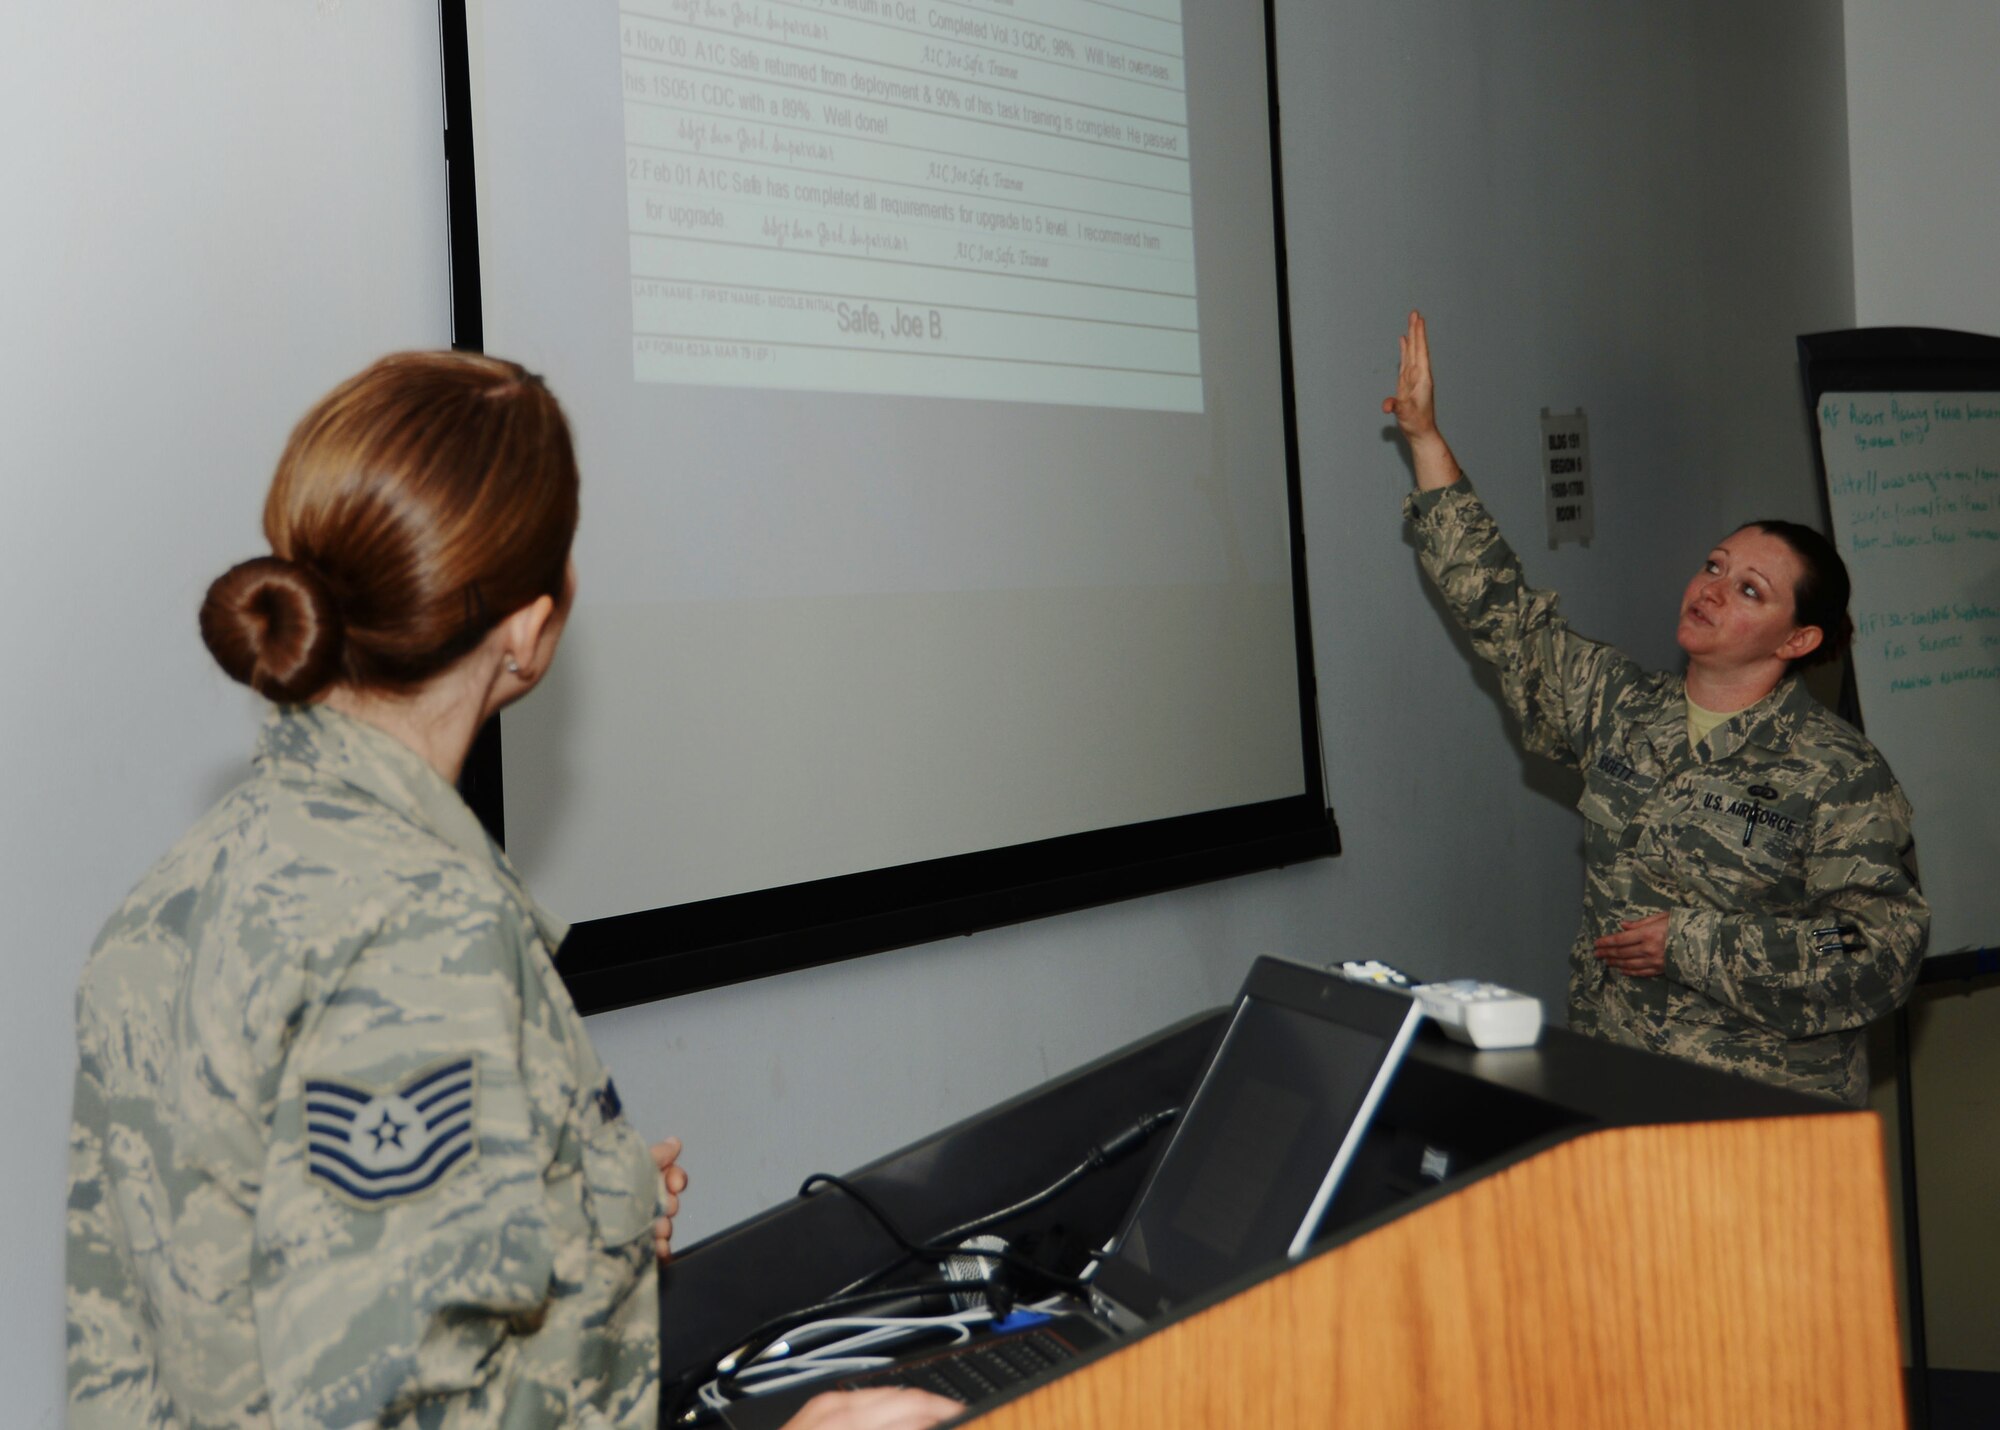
1913 490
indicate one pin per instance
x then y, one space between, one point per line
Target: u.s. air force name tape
378 1148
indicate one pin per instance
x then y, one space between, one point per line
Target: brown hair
1821 595
416 505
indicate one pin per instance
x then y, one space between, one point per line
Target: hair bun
272 624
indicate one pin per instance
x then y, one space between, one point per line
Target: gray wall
1923 111
225 206
212 210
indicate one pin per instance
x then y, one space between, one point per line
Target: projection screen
927 363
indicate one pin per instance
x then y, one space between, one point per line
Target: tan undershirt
1701 721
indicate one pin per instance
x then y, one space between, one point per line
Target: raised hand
1415 409
1415 404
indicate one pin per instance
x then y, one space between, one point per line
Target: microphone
966 1264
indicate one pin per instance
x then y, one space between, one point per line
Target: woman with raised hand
342 1153
1748 895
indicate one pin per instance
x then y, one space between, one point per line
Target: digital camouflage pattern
339 933
1780 847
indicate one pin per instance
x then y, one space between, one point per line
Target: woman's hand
667 1156
1415 409
1638 949
874 1410
1415 404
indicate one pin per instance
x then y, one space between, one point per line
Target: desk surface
1611 1086
1494 1106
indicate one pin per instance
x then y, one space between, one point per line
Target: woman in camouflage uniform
341 1152
1748 900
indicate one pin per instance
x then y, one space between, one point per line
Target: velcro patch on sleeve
375 1148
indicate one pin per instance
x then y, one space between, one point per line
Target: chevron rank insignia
378 1148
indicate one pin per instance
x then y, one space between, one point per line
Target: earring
513 666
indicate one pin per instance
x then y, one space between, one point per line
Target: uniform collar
1666 728
340 748
1772 722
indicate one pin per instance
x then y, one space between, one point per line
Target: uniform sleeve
1549 675
403 1242
112 1377
1853 958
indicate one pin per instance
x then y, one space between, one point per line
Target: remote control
1372 971
1482 1014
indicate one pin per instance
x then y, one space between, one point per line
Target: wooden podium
1619 1240
1705 1274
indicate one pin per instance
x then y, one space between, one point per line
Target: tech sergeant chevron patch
374 1149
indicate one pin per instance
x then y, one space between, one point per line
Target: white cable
762 1373
881 1337
892 1326
800 1375
786 1345
851 1345
837 1357
768 1375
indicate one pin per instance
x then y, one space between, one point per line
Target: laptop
1244 1182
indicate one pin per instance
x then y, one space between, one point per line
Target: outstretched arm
1415 409
1549 675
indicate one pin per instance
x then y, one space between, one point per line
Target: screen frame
658 953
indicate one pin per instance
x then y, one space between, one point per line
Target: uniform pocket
1691 1005
1595 806
1604 822
621 1183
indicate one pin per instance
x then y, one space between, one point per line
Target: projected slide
924 525
912 199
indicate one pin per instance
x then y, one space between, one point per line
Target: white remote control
1482 1014
1371 971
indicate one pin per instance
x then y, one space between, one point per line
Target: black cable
946 1244
943 1247
865 1202
911 1250
859 1293
1103 1155
1075 1285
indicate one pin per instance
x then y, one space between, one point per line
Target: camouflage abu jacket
1779 847
342 1153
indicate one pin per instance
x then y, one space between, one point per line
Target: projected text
912 197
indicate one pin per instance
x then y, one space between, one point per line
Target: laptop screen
1253 1164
